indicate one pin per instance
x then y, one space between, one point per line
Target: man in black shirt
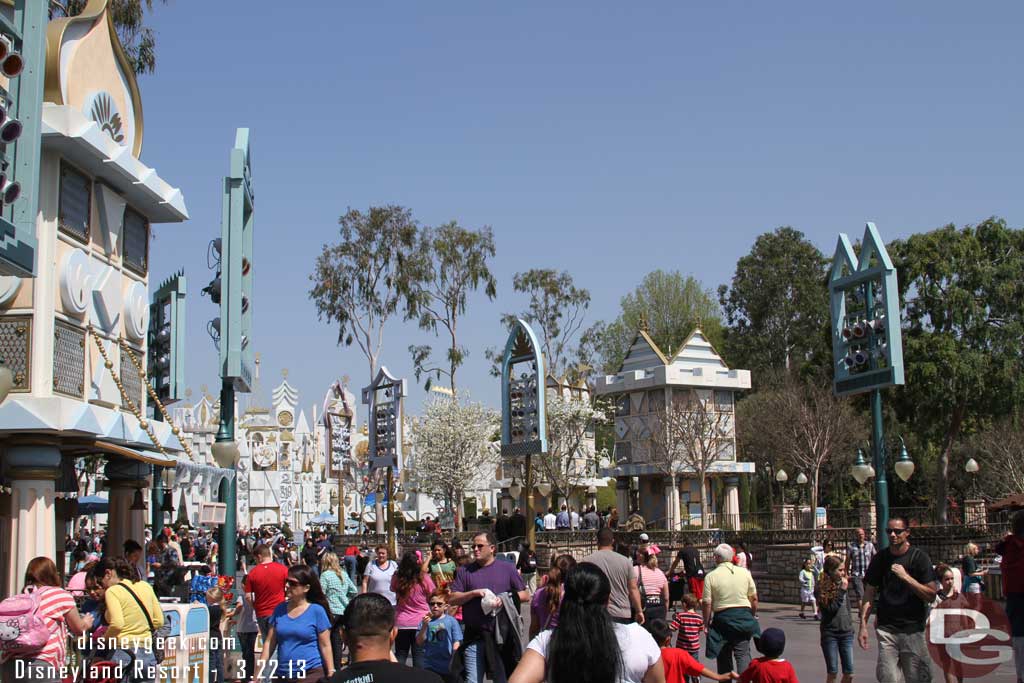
370 634
517 526
900 585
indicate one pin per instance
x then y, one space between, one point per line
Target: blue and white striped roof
643 354
697 352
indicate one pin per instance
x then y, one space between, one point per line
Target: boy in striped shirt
689 624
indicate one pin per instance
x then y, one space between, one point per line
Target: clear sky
608 139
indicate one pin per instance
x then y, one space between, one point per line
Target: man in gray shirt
624 601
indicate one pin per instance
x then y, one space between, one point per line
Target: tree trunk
674 513
815 474
703 499
456 507
942 473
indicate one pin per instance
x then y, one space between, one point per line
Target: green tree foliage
963 293
777 304
449 263
359 282
668 304
556 311
138 40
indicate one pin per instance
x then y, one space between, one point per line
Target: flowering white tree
569 461
451 449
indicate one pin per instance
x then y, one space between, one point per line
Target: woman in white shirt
378 575
587 646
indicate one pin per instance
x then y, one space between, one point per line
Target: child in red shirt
771 668
679 665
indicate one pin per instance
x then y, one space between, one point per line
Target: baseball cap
644 537
771 643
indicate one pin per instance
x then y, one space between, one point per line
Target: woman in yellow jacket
132 613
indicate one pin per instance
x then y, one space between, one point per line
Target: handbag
645 599
158 653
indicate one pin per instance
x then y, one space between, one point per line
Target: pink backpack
22 630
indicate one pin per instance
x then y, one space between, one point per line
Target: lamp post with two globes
862 470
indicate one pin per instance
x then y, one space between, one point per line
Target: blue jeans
476 665
836 648
139 665
351 566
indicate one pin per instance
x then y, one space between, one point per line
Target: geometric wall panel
15 349
68 360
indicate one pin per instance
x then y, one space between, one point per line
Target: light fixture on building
515 489
137 502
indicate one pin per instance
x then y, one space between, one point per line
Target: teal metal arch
523 347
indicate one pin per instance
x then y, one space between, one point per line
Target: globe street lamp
514 490
904 465
972 467
782 478
801 479
861 470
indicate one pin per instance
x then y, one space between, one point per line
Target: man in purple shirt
469 587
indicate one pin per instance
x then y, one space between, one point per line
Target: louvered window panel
75 204
130 379
136 241
68 360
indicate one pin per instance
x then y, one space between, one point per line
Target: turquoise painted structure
523 397
27 33
386 412
236 355
867 346
166 348
866 343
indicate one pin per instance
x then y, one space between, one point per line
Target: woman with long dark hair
412 587
546 601
836 622
300 629
587 646
133 614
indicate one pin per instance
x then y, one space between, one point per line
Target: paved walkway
804 652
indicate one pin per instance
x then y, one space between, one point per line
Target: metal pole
878 459
392 548
226 562
156 516
531 530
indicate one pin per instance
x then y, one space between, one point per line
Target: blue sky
608 139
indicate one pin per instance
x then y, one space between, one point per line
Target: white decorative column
32 471
732 502
124 477
671 504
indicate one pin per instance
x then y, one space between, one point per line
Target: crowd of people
454 613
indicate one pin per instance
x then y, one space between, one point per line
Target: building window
136 241
622 405
723 401
75 203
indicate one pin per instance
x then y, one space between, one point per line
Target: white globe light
972 466
801 478
905 469
515 489
862 472
781 476
225 454
544 489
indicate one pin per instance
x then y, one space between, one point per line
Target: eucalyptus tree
449 262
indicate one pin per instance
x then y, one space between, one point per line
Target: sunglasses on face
895 532
292 582
437 604
477 546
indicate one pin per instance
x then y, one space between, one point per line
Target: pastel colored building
75 336
646 385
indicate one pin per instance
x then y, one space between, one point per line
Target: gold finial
204 389
345 379
257 357
643 323
188 393
284 373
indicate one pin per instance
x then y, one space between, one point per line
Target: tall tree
777 304
138 40
669 304
360 281
556 310
569 461
450 261
451 449
963 292
802 424
999 450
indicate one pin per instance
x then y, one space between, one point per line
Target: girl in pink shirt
412 586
